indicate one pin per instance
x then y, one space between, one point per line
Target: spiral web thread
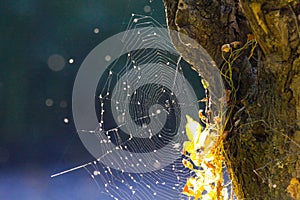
150 104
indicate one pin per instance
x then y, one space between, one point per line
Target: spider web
147 114
142 98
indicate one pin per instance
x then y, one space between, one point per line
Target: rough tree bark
263 145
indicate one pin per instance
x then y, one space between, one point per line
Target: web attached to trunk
139 94
142 100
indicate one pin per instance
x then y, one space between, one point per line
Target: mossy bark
263 145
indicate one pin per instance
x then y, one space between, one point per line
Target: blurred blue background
42 45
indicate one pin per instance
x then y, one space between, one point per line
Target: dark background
35 100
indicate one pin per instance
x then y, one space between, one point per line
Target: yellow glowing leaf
199 142
188 146
190 182
205 141
193 128
195 158
212 195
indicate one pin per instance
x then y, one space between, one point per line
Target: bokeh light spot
63 104
147 9
56 62
66 120
107 58
71 61
96 30
49 102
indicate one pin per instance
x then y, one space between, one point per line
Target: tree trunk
262 148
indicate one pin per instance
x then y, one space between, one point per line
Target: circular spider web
130 100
